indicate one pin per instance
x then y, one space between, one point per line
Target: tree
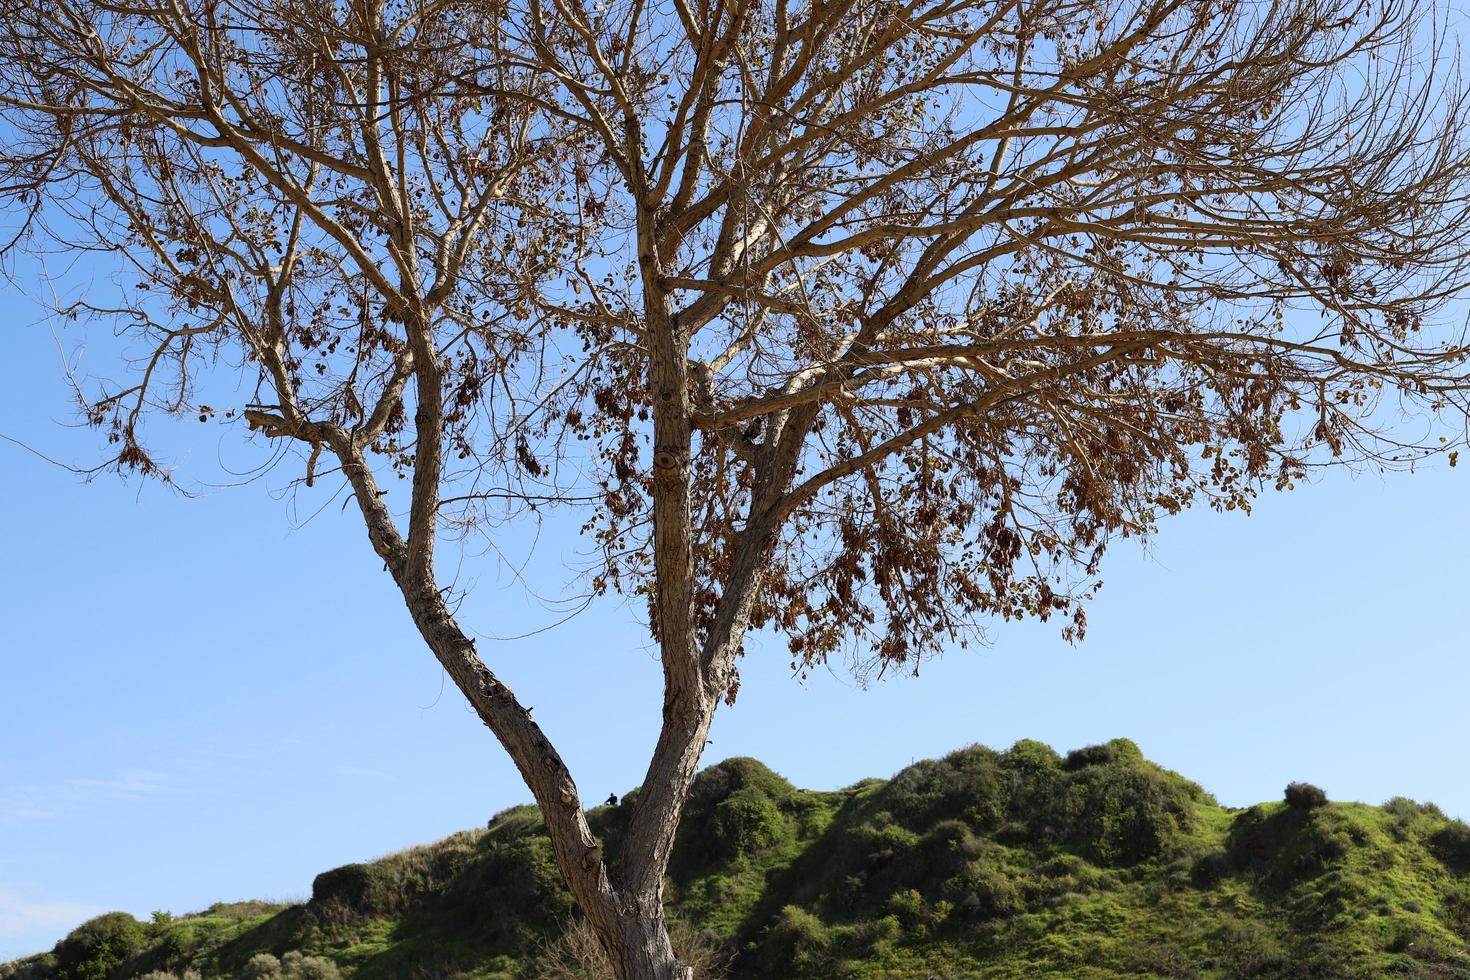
857 321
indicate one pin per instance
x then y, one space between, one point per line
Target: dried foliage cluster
859 320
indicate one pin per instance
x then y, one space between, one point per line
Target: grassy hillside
1013 864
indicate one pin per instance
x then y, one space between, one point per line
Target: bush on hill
1119 813
359 889
1029 756
744 823
1118 750
512 892
795 944
266 966
42 967
966 785
736 809
1283 848
980 894
291 966
1305 796
394 883
1451 845
98 946
1104 801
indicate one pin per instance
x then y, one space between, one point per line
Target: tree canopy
859 321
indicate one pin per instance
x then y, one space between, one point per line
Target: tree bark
643 947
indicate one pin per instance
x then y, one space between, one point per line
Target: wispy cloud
131 784
30 924
61 800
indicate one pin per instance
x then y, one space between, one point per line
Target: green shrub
512 892
880 845
908 905
518 820
852 893
720 781
746 823
1451 846
262 966
1210 868
1114 814
873 937
946 849
1030 756
966 785
96 947
1118 750
1402 806
175 942
1305 796
981 893
1034 777
298 966
394 884
1091 755
1286 846
1061 866
886 858
1323 846
364 889
291 966
796 941
1062 875
735 809
41 967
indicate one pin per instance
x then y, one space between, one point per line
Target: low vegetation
1014 864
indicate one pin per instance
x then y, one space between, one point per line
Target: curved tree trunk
627 914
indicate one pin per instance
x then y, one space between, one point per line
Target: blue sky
212 699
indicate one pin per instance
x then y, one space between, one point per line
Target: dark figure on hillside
612 799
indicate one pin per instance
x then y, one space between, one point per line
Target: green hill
1013 864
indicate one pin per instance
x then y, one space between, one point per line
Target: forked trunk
626 911
641 949
626 914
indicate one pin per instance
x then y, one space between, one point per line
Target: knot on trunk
668 463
